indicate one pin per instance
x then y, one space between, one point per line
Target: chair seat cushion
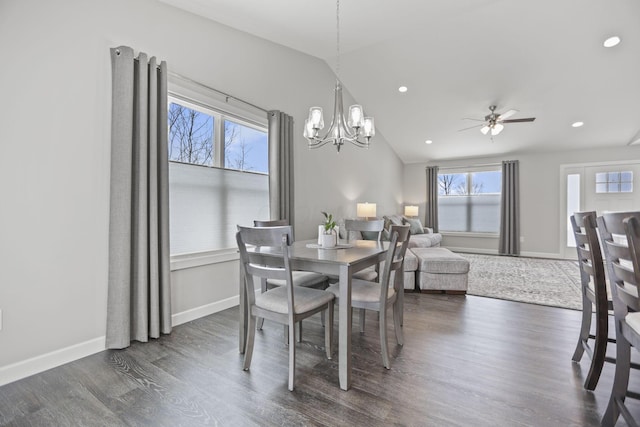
633 320
305 299
368 274
306 279
362 291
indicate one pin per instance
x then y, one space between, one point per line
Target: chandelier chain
338 39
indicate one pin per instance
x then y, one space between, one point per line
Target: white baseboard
203 310
473 250
495 252
26 368
41 363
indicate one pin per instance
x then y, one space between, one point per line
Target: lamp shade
366 210
411 211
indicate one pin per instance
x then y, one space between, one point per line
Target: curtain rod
470 166
187 79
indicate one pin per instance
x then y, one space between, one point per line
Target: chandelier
357 130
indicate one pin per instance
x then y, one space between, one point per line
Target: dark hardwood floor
467 361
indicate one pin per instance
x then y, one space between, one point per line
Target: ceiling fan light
496 129
485 130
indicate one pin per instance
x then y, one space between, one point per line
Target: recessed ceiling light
611 41
402 89
577 124
428 141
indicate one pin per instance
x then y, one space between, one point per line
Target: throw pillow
415 226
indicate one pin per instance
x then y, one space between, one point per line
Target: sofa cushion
440 260
425 240
415 226
390 220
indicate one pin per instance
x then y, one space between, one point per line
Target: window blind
207 203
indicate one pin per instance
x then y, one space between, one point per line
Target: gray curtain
510 209
139 296
281 166
431 209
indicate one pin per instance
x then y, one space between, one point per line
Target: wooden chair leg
322 319
299 332
383 340
397 322
263 289
599 350
328 331
585 328
362 318
251 336
292 357
620 381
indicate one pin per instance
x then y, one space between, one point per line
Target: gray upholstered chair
594 295
378 296
306 279
623 264
286 304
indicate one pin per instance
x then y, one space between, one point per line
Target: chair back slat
271 223
361 225
622 260
394 260
592 268
278 266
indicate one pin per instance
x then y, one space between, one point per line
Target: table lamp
411 211
366 210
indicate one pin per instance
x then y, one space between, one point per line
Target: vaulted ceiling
544 58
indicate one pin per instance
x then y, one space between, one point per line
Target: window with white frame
614 182
218 174
469 200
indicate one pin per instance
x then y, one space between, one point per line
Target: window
469 201
614 182
218 175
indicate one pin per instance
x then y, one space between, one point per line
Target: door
596 187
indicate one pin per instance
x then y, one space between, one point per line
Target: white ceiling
542 57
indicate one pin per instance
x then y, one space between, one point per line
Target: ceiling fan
494 123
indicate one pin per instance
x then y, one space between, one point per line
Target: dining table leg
344 328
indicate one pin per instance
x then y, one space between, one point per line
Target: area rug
532 280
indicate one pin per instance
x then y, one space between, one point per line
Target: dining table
347 258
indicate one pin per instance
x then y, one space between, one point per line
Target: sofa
419 237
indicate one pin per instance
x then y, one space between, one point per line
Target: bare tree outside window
452 184
236 149
190 136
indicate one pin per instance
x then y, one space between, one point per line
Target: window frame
186 91
469 170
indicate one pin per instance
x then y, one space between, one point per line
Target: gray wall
539 190
54 167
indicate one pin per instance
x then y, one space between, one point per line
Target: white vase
329 240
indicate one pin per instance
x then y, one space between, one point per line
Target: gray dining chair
623 265
307 279
379 296
362 226
286 304
594 295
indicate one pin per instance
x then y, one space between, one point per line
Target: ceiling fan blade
470 118
507 114
471 127
528 119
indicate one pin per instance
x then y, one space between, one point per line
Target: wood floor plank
467 361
